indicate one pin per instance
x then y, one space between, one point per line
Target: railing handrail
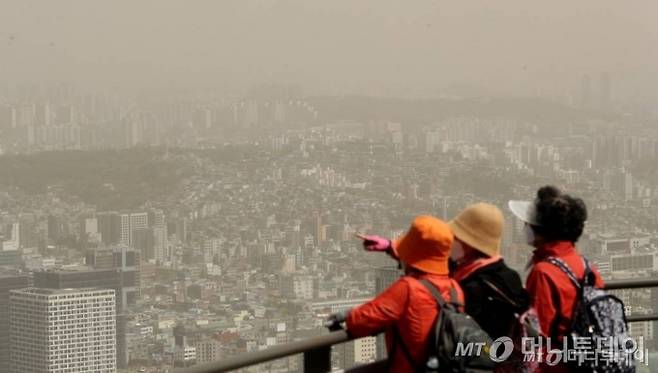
272 353
631 284
341 336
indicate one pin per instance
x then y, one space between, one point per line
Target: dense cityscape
293 186
226 225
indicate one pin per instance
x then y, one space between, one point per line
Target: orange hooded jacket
409 307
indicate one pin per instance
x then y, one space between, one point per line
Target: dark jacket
493 311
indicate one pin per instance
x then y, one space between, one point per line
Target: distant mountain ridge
108 179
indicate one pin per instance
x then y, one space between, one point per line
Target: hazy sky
334 46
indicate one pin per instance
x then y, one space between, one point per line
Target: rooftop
43 291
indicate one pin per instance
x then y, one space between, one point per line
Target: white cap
524 210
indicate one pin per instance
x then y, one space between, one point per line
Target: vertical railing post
317 360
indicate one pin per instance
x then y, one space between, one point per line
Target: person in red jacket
406 310
553 224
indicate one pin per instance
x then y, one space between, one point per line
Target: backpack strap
589 279
437 326
454 298
567 271
434 291
433 336
501 293
578 284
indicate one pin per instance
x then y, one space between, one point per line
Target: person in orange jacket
476 264
406 310
493 292
553 224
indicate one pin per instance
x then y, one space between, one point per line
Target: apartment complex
122 277
67 330
9 280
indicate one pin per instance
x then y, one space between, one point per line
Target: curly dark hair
561 217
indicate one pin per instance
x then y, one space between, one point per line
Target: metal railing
634 284
631 284
317 355
317 351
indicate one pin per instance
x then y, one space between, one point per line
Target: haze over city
197 172
384 48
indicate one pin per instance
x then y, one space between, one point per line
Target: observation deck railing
317 351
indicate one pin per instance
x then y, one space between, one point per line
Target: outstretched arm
379 244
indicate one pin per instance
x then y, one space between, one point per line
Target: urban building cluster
40 119
252 244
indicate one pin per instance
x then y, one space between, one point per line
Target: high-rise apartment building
62 330
361 351
89 231
27 236
143 241
178 227
139 220
123 278
156 218
109 226
124 231
56 227
160 244
129 224
9 280
298 287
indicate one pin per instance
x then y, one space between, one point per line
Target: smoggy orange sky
364 47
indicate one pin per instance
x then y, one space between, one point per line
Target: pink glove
376 243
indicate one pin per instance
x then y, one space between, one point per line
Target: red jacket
409 307
553 294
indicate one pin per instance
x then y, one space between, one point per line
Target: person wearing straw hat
407 309
493 292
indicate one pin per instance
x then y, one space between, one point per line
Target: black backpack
598 317
451 335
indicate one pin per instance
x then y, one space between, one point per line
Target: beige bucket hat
480 226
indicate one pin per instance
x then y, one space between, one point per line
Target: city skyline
183 183
250 242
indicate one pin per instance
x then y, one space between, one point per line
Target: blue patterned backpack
600 318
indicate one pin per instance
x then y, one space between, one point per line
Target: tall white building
124 237
130 223
160 243
69 330
139 220
358 352
365 350
297 287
